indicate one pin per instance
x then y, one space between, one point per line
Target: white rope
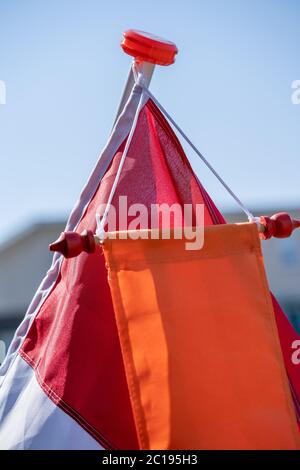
100 232
239 202
139 80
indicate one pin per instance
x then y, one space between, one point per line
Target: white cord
139 80
100 232
162 109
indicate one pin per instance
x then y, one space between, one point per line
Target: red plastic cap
146 47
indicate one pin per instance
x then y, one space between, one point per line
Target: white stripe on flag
30 420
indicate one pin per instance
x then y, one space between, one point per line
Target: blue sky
230 90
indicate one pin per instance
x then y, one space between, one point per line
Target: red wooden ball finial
280 225
146 47
71 244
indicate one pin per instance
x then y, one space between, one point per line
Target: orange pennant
199 341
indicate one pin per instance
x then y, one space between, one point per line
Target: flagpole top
146 47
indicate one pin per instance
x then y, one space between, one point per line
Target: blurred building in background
25 259
282 262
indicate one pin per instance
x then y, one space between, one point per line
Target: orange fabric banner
199 341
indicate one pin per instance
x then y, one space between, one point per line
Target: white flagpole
147 69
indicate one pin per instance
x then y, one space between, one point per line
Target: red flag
73 343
